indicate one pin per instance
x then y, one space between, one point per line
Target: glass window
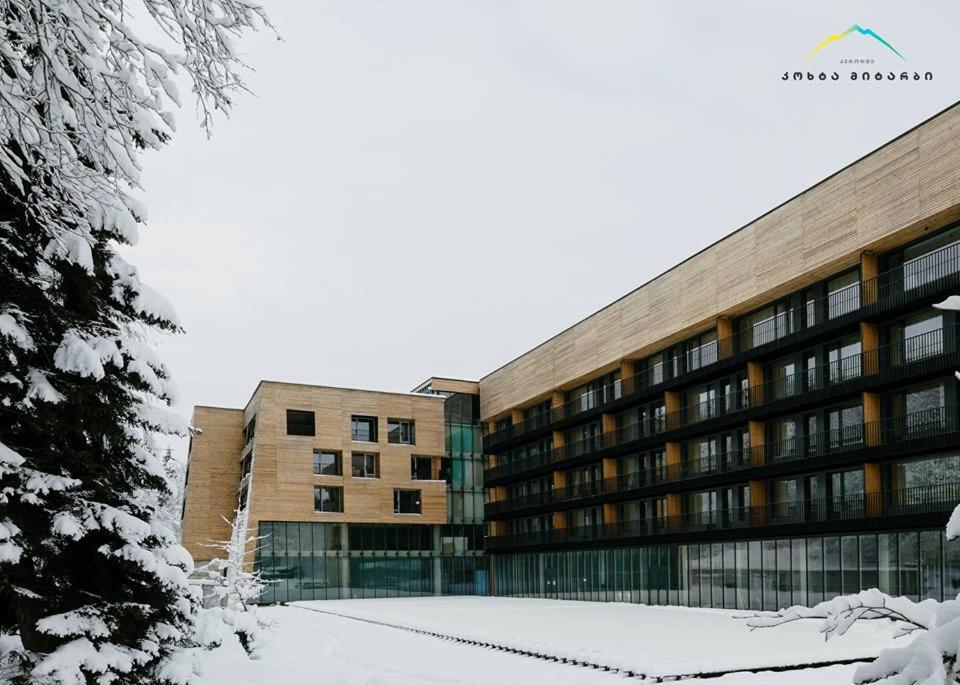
366 465
421 468
924 472
917 337
702 351
363 428
766 325
783 378
843 294
701 403
784 435
846 426
846 483
406 501
844 358
930 259
810 366
327 498
785 496
654 369
810 302
300 422
400 431
326 463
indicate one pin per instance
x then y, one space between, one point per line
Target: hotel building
773 421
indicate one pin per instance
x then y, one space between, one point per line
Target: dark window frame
337 502
298 420
401 431
416 462
399 495
370 421
337 462
364 456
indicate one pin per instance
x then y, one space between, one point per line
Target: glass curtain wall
753 574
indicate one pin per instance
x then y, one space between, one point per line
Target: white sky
433 188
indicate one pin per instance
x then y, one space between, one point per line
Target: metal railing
900 355
888 434
929 504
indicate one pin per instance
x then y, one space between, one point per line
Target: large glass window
365 465
327 498
300 422
783 378
785 497
846 425
326 463
701 403
844 358
920 408
917 337
925 472
784 435
652 368
702 351
363 428
930 259
843 294
400 431
846 483
406 501
702 456
766 325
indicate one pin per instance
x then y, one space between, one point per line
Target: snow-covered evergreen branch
93 582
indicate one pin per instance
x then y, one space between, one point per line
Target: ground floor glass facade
307 561
751 574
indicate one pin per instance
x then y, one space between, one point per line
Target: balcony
914 433
928 278
926 506
928 353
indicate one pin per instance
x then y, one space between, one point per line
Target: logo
878 64
856 28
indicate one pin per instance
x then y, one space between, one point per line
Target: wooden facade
212 479
282 480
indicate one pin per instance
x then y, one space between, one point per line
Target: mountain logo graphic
856 28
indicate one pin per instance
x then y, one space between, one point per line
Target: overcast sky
433 188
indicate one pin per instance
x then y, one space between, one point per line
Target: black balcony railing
906 356
889 436
919 278
925 505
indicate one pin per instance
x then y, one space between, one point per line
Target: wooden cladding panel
283 479
215 466
870 341
871 417
886 199
757 439
755 381
450 385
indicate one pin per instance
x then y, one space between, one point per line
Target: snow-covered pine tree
91 583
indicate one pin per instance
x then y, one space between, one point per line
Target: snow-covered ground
309 647
653 640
